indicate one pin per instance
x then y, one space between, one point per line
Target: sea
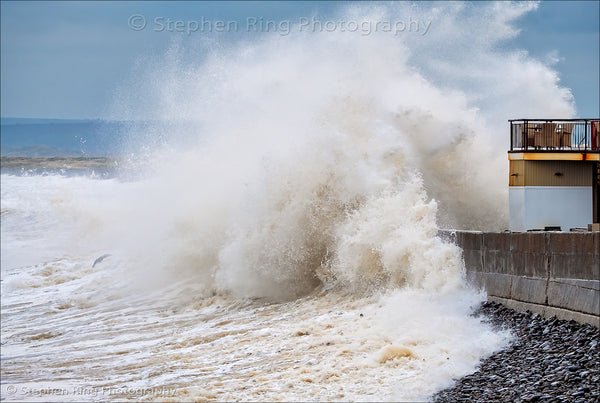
259 221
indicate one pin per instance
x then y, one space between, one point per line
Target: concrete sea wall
552 273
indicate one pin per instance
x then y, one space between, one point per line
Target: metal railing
555 135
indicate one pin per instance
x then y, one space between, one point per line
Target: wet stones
549 360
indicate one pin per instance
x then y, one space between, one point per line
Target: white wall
536 207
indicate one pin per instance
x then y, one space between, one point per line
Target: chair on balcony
547 137
564 132
531 130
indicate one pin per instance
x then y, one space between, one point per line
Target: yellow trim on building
563 156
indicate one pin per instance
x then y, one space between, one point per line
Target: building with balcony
554 173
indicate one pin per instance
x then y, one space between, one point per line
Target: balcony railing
555 135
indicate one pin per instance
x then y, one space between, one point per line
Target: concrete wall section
574 255
550 272
582 297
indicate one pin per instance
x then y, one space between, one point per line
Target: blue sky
66 59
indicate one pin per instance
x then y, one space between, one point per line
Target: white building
554 174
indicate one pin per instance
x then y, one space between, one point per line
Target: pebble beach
549 360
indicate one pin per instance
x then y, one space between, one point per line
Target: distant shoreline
57 163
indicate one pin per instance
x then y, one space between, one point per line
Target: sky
65 60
